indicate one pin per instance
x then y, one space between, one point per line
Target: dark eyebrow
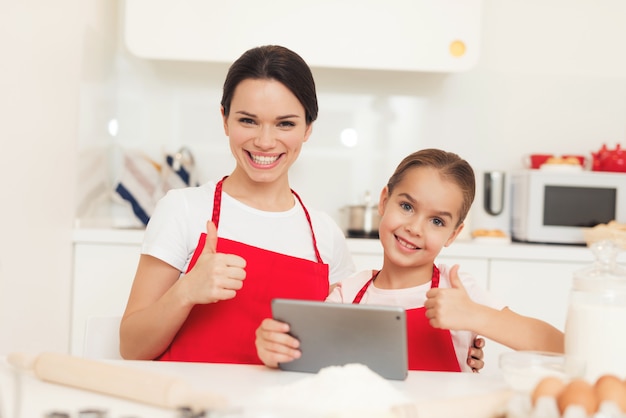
252 115
408 197
243 112
287 117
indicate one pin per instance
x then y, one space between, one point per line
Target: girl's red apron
224 332
428 348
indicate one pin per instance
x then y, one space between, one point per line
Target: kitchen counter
496 251
474 395
124 236
459 249
534 280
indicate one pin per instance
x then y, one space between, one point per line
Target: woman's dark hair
451 167
276 63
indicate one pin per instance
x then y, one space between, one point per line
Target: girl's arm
514 330
453 309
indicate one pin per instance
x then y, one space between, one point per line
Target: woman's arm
160 300
155 311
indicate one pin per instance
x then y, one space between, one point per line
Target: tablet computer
335 334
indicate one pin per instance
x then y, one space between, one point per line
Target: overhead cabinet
406 35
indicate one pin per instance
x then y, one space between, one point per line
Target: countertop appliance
554 206
362 220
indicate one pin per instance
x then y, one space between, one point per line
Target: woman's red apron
224 332
428 348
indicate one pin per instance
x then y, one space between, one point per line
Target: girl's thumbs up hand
449 308
216 276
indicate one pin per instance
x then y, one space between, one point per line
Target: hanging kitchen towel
177 171
137 184
143 181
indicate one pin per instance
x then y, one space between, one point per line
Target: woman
202 288
270 244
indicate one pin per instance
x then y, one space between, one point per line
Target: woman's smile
264 160
266 129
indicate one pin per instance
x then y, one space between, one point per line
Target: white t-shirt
181 216
415 297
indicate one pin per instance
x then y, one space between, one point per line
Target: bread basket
612 231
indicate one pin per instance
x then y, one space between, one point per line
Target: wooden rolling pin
114 380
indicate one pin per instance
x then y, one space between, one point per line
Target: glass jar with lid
595 328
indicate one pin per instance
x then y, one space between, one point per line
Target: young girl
422 210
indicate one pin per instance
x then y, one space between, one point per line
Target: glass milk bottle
595 329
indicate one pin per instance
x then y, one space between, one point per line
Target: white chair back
102 337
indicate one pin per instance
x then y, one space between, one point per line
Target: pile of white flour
352 390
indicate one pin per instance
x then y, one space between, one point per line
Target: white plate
492 240
561 167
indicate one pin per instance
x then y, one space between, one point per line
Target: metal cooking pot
362 220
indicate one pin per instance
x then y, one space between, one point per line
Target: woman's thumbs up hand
216 276
210 244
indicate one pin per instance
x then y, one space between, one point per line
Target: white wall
551 78
42 46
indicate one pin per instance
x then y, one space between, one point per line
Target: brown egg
578 392
548 386
609 387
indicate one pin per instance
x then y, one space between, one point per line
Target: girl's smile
406 244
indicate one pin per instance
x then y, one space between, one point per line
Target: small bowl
522 370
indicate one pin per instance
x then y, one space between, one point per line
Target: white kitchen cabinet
539 289
367 261
103 276
406 35
366 253
533 280
478 268
535 288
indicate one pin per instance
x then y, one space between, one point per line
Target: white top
181 215
415 297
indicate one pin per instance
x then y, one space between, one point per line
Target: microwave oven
555 206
